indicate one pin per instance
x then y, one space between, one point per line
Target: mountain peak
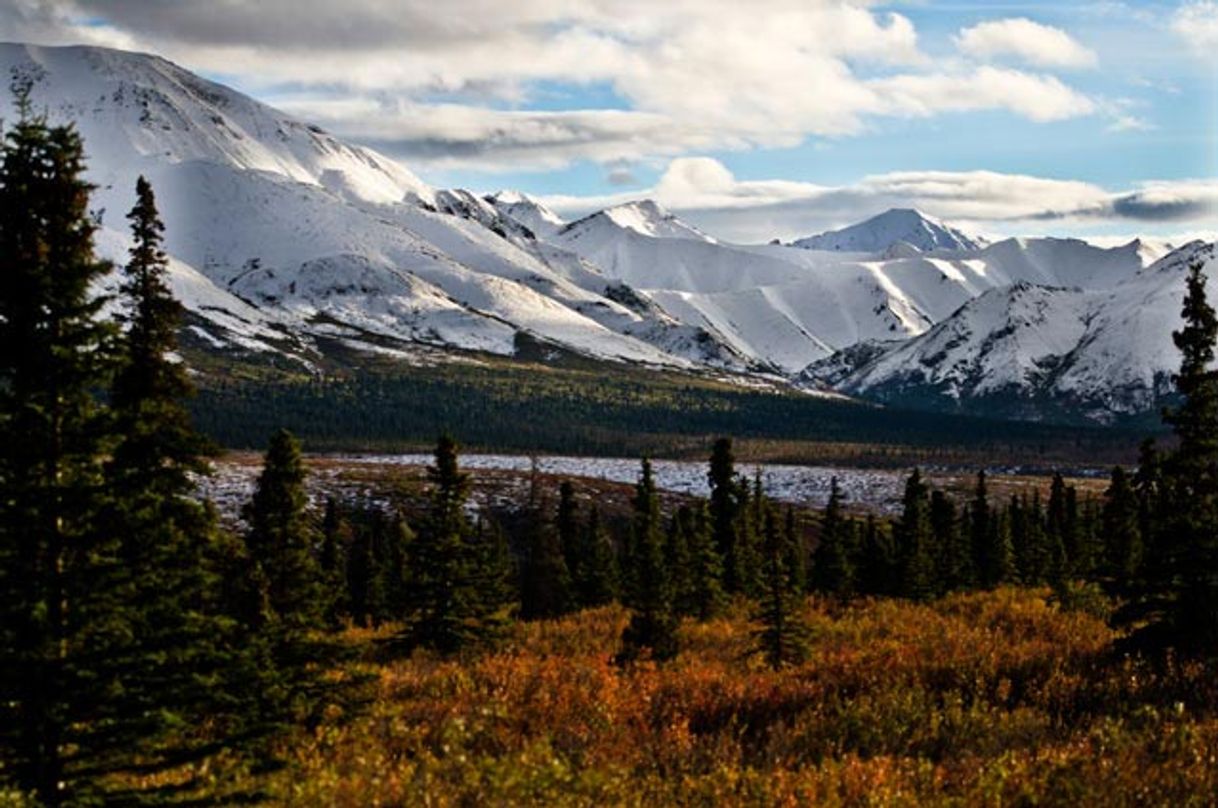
135 109
645 217
895 225
526 210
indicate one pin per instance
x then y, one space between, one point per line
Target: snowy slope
890 228
531 213
284 238
1025 349
326 239
789 306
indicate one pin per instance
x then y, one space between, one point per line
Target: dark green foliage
783 638
336 538
365 600
545 582
955 559
59 606
833 561
1175 601
1122 531
726 508
458 595
916 542
652 628
797 549
695 565
285 596
993 548
281 539
597 577
391 549
878 561
567 525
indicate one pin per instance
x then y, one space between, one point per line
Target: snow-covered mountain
790 306
898 226
285 239
323 240
531 213
1028 350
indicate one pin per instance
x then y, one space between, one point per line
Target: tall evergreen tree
183 659
726 509
915 541
567 524
363 596
878 563
1176 602
545 581
797 549
783 636
55 594
281 539
979 532
707 568
833 560
456 594
283 579
391 547
336 538
597 575
1122 531
677 560
652 624
955 558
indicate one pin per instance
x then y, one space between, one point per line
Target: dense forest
424 651
585 407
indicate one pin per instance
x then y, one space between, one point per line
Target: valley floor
979 699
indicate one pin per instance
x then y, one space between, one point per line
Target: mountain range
286 241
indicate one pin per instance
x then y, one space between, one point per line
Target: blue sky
772 118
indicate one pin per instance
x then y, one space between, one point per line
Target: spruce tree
954 561
184 660
725 512
979 532
1176 600
597 575
391 546
457 593
677 560
281 539
653 625
336 538
878 562
797 560
283 577
783 637
1122 531
915 542
567 524
56 572
363 597
832 562
707 567
545 581
1000 550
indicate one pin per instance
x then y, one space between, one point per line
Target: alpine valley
289 245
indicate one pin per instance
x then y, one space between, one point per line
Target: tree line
139 638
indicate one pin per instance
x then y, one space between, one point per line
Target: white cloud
1197 23
1032 42
692 75
1036 97
707 194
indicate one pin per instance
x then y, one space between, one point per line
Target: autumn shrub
991 698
